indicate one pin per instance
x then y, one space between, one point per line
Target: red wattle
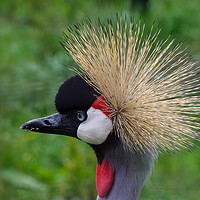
104 178
101 105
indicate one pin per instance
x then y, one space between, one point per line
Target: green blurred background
33 65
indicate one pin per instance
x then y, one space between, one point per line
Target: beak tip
31 125
24 127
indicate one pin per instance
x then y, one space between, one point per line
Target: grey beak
53 124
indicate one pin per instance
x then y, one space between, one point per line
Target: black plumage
73 94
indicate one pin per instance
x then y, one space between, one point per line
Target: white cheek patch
96 128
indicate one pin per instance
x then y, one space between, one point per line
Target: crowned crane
133 98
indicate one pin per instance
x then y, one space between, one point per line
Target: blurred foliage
33 65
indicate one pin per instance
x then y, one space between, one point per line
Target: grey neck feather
131 170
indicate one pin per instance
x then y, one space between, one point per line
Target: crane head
82 113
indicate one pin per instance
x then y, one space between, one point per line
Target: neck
130 169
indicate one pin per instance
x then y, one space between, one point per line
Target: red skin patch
101 105
104 178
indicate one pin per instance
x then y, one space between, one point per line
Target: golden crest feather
152 86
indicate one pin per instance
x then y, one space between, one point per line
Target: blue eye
81 116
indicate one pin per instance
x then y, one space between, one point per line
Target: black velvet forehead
74 93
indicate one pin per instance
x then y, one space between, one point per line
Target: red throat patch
104 178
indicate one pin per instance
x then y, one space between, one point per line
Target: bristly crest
151 85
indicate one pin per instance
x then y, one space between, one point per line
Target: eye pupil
80 116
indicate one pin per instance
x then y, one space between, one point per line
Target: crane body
134 97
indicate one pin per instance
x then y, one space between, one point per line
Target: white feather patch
96 128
